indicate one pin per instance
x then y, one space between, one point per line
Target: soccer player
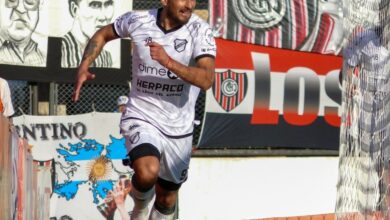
158 121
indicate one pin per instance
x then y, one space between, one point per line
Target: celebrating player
158 120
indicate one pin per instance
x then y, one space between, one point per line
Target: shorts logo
134 138
180 44
184 175
261 14
133 126
230 89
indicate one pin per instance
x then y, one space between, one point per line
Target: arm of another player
93 49
201 76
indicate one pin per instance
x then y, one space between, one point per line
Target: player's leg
174 164
166 197
145 175
142 143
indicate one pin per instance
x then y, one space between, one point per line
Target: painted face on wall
179 11
94 14
20 18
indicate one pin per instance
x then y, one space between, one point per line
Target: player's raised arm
201 76
93 49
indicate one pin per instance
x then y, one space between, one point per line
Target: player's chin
183 17
183 20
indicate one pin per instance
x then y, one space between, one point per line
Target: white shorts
175 152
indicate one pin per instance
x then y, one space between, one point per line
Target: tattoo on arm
91 51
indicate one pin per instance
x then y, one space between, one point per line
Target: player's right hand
82 76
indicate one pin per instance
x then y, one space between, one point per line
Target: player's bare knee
146 174
145 177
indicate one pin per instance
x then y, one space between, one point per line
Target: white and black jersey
157 95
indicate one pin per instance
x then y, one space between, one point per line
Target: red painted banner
285 93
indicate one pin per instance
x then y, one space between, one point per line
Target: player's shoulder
143 16
197 25
197 21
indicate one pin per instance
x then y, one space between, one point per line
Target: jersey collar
161 27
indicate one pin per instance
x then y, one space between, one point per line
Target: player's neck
166 22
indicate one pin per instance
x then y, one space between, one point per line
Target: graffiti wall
86 160
42 40
306 25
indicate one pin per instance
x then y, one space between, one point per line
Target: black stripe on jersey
204 55
166 135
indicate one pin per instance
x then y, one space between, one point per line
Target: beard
172 16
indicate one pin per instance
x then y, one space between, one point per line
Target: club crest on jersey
230 89
180 44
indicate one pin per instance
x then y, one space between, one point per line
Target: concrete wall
258 187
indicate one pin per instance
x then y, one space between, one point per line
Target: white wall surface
258 187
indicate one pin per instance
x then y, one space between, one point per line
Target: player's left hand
158 53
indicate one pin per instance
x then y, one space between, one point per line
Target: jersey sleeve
204 44
124 24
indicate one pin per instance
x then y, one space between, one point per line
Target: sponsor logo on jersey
230 89
208 49
160 87
152 70
180 44
148 40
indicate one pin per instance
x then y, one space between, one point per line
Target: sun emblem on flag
99 169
